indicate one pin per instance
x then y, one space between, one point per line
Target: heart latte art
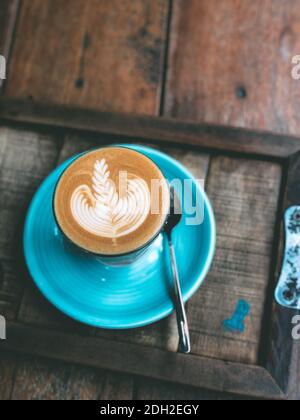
103 212
104 201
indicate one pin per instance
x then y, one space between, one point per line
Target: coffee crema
111 201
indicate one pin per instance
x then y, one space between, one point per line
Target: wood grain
46 380
7 370
97 54
25 159
148 389
253 381
230 63
133 128
245 196
216 74
8 15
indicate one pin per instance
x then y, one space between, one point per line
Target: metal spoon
183 329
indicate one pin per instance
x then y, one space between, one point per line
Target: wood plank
8 16
102 54
7 371
245 195
148 129
35 309
48 380
252 381
230 63
164 391
25 159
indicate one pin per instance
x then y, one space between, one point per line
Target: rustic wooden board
8 15
99 54
231 95
248 380
230 63
45 380
218 75
159 391
8 12
245 195
25 159
137 128
7 370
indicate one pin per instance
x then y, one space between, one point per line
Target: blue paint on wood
236 323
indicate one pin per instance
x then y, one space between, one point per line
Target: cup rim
87 251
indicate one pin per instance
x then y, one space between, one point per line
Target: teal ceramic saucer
85 289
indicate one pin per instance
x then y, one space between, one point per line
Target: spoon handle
183 329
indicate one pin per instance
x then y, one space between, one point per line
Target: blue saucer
116 297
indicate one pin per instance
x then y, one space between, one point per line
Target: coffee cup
112 203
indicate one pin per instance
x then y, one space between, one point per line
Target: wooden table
223 62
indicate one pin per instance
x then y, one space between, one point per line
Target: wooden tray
250 177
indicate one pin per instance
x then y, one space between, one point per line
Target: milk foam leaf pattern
103 211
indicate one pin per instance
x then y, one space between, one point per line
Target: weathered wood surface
98 54
48 380
230 63
218 74
130 127
25 159
224 91
152 390
7 370
8 15
248 380
244 194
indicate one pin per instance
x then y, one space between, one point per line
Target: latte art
105 203
102 212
